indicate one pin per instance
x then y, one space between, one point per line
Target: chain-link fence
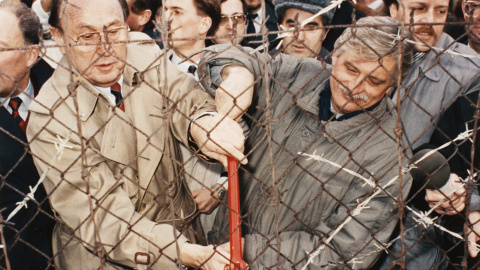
361 156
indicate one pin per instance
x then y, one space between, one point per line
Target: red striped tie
116 91
15 103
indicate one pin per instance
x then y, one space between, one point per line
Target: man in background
232 22
307 41
256 20
27 233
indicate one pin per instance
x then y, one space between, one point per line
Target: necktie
250 24
116 91
15 103
192 69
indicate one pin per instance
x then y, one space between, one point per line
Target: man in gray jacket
322 184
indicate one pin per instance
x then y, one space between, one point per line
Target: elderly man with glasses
105 130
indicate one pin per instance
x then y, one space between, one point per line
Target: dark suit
271 25
28 234
343 15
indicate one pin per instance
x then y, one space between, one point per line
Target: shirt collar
183 66
326 110
106 91
26 96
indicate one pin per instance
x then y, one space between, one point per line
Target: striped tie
15 103
116 91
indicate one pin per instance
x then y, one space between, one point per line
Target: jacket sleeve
281 75
351 236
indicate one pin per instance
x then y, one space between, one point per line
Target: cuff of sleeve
192 145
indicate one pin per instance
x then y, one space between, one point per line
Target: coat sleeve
359 232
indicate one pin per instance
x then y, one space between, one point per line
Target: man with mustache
292 204
438 77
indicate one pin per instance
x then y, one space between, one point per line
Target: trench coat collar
67 81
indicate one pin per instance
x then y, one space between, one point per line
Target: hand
204 257
226 246
454 204
206 199
235 93
473 236
218 136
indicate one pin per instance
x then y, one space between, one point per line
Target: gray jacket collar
437 60
341 129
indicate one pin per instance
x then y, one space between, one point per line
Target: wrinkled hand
473 235
206 199
219 136
235 93
455 202
204 257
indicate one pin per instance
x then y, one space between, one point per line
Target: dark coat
342 16
271 24
28 234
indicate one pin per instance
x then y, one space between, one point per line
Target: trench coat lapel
119 140
145 104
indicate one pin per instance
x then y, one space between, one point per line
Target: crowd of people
117 118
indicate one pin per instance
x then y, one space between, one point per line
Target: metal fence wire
91 185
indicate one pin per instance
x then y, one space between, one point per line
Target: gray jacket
293 204
433 83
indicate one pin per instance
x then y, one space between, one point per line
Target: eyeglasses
472 8
89 41
236 18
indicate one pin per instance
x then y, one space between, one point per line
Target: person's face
305 43
135 21
471 12
421 12
232 22
357 84
101 64
14 64
253 5
185 22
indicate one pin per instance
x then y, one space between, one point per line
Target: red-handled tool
236 259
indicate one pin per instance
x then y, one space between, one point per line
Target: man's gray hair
376 37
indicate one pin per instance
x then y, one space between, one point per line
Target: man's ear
389 90
393 11
334 59
205 25
58 36
145 17
32 56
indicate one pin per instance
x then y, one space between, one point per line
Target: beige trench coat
113 184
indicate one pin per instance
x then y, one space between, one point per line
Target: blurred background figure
307 42
232 22
28 234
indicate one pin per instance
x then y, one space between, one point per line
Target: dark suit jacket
343 15
271 25
28 234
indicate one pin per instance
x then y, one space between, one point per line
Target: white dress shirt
106 91
257 22
183 65
26 96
